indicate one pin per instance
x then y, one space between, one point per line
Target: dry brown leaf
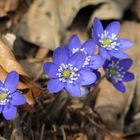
133 34
104 9
136 8
110 9
42 25
9 39
111 104
3 75
7 6
69 9
9 63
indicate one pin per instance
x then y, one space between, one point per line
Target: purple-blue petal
61 55
126 63
106 64
128 77
118 54
97 28
87 77
11 81
120 86
1 108
54 85
74 42
96 62
124 44
113 28
89 46
77 59
98 75
50 69
18 99
1 84
73 89
104 53
9 112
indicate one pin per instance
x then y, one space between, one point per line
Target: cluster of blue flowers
75 65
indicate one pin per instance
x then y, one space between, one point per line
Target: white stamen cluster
87 60
119 71
73 73
74 50
8 96
113 45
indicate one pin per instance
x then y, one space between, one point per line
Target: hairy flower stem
94 93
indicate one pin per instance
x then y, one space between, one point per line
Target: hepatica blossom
67 72
10 97
108 41
117 72
92 61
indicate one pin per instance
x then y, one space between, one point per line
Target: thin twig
63 133
2 138
38 75
42 132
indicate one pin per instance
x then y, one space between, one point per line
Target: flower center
109 41
112 72
66 73
3 96
115 72
87 61
106 42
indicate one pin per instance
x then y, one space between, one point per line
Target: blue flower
92 61
10 98
117 72
108 41
67 72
